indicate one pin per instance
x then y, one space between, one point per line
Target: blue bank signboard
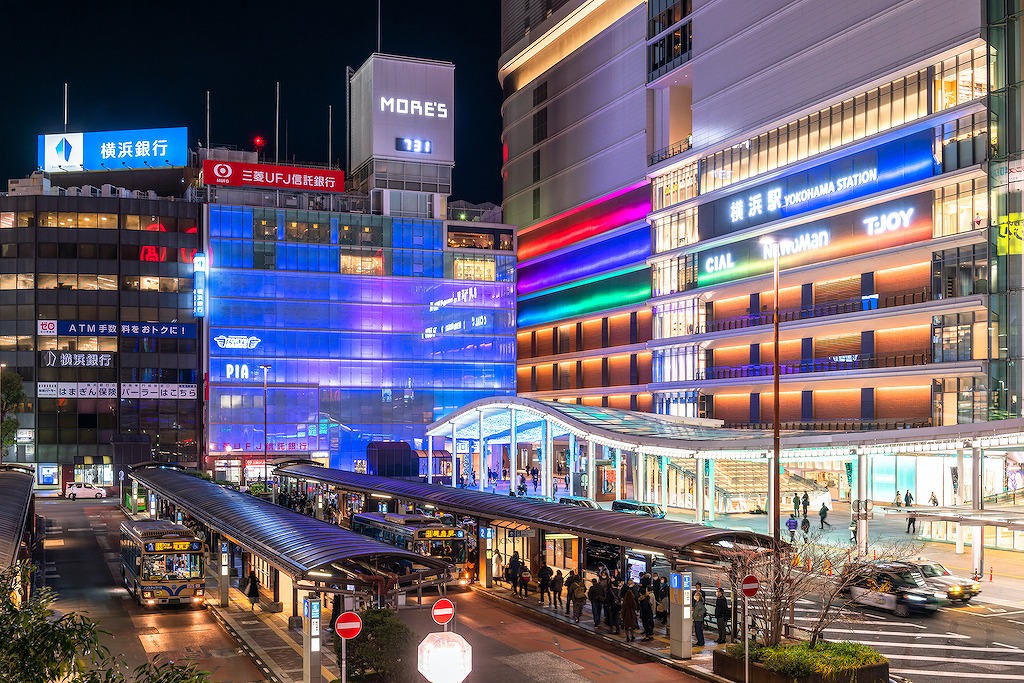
114 150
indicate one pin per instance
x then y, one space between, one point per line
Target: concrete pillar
698 489
711 489
430 460
862 495
570 460
978 503
591 470
663 486
455 457
513 451
958 496
618 472
485 553
482 444
548 468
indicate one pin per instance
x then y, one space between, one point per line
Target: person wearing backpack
524 581
596 594
579 598
613 606
544 581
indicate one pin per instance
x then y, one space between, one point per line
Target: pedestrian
613 606
498 566
796 504
933 499
853 531
596 594
570 584
823 514
911 524
722 613
524 581
544 581
515 565
646 603
792 524
335 606
579 598
567 483
556 589
805 528
805 502
899 500
252 589
700 610
908 498
629 612
699 589
74 493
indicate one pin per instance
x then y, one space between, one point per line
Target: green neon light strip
585 281
604 294
738 272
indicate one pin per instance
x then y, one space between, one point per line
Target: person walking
579 598
792 524
646 603
934 500
805 528
629 612
700 610
796 504
911 524
853 531
723 610
805 502
613 606
556 589
498 567
570 584
252 589
823 515
524 581
515 565
596 595
544 581
908 498
899 500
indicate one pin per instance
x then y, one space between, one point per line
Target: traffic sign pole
749 587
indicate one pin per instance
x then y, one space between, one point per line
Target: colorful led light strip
601 294
624 250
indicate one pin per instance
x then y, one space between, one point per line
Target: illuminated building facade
574 119
871 177
367 314
96 316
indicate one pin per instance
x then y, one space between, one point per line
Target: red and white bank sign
238 174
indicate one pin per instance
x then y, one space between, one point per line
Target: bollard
874 554
990 574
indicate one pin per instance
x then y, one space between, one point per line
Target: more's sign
114 150
238 174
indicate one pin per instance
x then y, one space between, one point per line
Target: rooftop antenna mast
378 25
277 124
65 108
330 134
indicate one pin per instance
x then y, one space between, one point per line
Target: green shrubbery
826 659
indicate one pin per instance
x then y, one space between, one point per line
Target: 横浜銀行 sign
114 150
880 168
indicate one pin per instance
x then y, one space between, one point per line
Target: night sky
149 65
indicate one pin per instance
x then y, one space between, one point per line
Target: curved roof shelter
670 537
15 507
680 437
302 547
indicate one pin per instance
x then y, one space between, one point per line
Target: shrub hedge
826 659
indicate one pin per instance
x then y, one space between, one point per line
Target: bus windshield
172 567
453 550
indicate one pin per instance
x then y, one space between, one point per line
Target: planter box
730 667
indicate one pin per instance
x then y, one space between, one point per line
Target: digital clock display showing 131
414 145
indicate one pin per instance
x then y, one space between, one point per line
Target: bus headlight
197 599
147 594
199 591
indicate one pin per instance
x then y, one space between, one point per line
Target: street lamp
266 482
774 475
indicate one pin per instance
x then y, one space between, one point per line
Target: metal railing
672 150
812 365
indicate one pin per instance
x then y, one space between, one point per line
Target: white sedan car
82 490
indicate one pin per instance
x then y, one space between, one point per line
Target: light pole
3 410
774 475
266 440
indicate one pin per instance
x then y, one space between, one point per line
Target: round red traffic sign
349 625
443 611
750 585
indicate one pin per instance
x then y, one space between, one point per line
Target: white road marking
958 674
1012 647
892 633
934 646
957 660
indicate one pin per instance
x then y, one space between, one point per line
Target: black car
599 553
893 586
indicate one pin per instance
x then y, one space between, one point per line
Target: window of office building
960 272
474 268
664 14
675 275
540 125
960 207
679 318
669 51
678 363
676 230
675 186
362 262
960 79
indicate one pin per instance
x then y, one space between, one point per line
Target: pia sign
114 150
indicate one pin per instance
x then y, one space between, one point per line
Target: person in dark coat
723 611
515 567
544 582
613 606
700 611
596 595
629 612
556 589
570 581
252 589
646 603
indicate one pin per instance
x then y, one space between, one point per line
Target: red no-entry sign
349 625
750 585
443 611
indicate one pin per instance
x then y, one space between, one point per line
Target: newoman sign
882 226
885 167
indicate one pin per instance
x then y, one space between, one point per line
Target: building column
958 499
711 489
430 460
485 461
513 451
663 484
548 468
617 455
591 471
978 504
640 476
570 461
862 495
455 457
698 489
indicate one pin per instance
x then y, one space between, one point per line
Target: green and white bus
162 563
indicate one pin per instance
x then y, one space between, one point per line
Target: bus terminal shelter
288 551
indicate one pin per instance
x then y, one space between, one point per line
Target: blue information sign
686 582
676 580
314 609
114 150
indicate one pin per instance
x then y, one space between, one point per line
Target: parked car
896 587
84 490
579 501
956 588
638 507
600 554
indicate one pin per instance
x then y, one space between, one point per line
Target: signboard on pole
443 611
348 625
750 585
444 657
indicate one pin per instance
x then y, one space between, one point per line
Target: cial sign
238 174
114 150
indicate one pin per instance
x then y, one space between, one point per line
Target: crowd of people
629 608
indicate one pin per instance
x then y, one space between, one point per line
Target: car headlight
916 598
955 589
975 586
